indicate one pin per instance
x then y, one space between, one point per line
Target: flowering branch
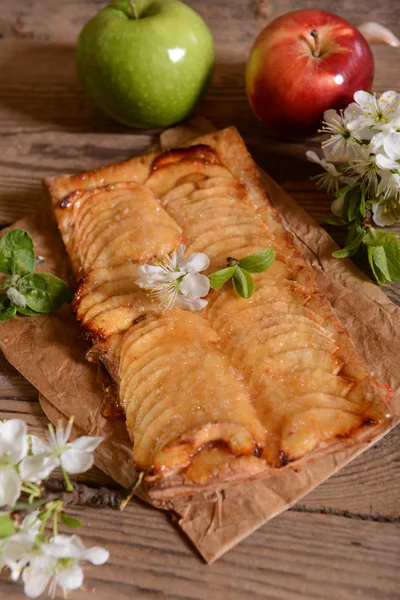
30 504
361 159
176 281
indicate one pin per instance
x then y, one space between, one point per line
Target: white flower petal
9 486
13 440
70 578
391 145
365 100
332 116
190 303
376 142
197 262
36 445
351 112
386 163
381 218
97 555
64 546
86 443
178 256
76 461
388 102
31 524
195 285
37 467
36 577
313 157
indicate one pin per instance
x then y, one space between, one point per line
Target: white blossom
331 179
57 564
13 447
386 212
342 138
363 167
391 158
15 550
174 281
379 114
74 457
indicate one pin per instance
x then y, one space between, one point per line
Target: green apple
145 62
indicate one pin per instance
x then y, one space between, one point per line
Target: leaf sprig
240 272
21 289
381 248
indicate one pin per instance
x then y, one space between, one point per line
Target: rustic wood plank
296 556
342 540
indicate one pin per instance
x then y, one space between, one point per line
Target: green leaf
258 262
6 310
363 203
351 248
378 263
27 311
218 278
17 255
243 283
7 526
377 237
352 201
8 313
392 251
70 521
30 506
332 221
383 255
44 292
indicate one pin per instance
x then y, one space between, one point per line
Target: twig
81 494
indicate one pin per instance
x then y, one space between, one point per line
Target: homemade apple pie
243 388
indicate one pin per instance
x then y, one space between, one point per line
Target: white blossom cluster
42 562
363 148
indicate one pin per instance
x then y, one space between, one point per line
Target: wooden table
343 540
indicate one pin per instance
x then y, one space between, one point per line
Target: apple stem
317 44
134 9
313 42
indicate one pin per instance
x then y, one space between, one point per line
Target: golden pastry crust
243 389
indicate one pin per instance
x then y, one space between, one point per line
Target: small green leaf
6 310
351 248
258 262
17 255
383 255
70 521
392 251
352 201
243 283
44 292
7 526
218 278
332 221
378 263
377 237
27 311
362 203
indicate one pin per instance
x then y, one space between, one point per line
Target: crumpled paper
48 351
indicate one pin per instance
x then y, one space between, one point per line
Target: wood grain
342 541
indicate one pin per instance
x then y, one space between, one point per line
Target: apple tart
243 388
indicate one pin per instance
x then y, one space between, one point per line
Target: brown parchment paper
47 350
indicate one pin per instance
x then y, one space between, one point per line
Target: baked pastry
243 388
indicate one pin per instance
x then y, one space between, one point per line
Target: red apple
303 63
